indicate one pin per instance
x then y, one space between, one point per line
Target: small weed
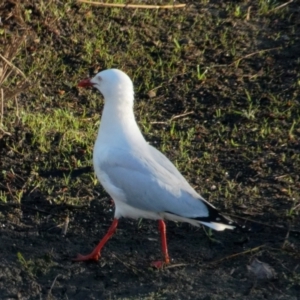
36 267
237 11
200 74
3 196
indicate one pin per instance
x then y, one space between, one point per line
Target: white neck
118 125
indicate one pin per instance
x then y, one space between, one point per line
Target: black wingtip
215 217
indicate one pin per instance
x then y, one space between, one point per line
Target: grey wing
151 182
161 159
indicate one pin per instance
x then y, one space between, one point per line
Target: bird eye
99 78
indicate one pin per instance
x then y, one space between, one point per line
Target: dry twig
52 286
280 6
144 6
7 70
173 118
238 254
293 230
252 54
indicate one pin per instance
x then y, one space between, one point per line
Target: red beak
85 83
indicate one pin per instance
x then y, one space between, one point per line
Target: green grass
37 267
217 91
73 130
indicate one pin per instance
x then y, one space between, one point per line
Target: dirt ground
231 125
198 270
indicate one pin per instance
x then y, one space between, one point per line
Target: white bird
140 179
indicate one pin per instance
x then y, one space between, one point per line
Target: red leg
164 246
95 254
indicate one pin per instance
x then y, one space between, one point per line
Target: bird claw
89 257
158 264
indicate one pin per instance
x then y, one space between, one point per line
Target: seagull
142 181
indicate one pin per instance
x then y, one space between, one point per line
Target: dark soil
244 155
